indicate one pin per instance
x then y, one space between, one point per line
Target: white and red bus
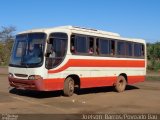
66 57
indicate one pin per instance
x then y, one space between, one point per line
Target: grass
153 75
153 78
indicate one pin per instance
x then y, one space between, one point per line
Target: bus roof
83 30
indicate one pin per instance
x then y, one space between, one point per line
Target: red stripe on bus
107 81
89 82
99 63
135 79
54 84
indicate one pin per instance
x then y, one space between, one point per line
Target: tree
153 54
7 35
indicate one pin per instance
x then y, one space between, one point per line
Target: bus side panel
135 79
88 82
54 84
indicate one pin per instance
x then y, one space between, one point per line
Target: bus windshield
28 50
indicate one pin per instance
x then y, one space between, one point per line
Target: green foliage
6 42
153 54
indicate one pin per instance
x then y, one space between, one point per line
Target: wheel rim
121 84
71 86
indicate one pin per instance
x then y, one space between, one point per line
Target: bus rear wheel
68 87
120 84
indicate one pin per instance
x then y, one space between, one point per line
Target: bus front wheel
120 84
68 87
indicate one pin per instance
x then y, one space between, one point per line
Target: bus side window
81 44
72 47
142 51
121 48
97 46
129 49
49 47
104 46
138 50
91 45
52 49
112 47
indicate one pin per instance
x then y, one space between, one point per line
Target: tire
68 87
120 84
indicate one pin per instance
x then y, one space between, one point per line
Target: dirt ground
3 70
138 98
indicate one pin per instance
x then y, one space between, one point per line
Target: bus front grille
20 75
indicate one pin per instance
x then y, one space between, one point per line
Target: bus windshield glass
28 50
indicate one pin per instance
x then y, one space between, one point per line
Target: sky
129 18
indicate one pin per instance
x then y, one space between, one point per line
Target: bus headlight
34 77
10 75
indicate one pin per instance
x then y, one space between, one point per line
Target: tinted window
112 47
58 42
142 50
91 45
129 50
72 46
97 46
104 46
81 44
121 48
138 50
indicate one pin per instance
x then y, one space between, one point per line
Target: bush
153 55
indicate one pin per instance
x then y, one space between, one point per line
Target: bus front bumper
37 85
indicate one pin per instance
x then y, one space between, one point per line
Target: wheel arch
76 79
124 75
